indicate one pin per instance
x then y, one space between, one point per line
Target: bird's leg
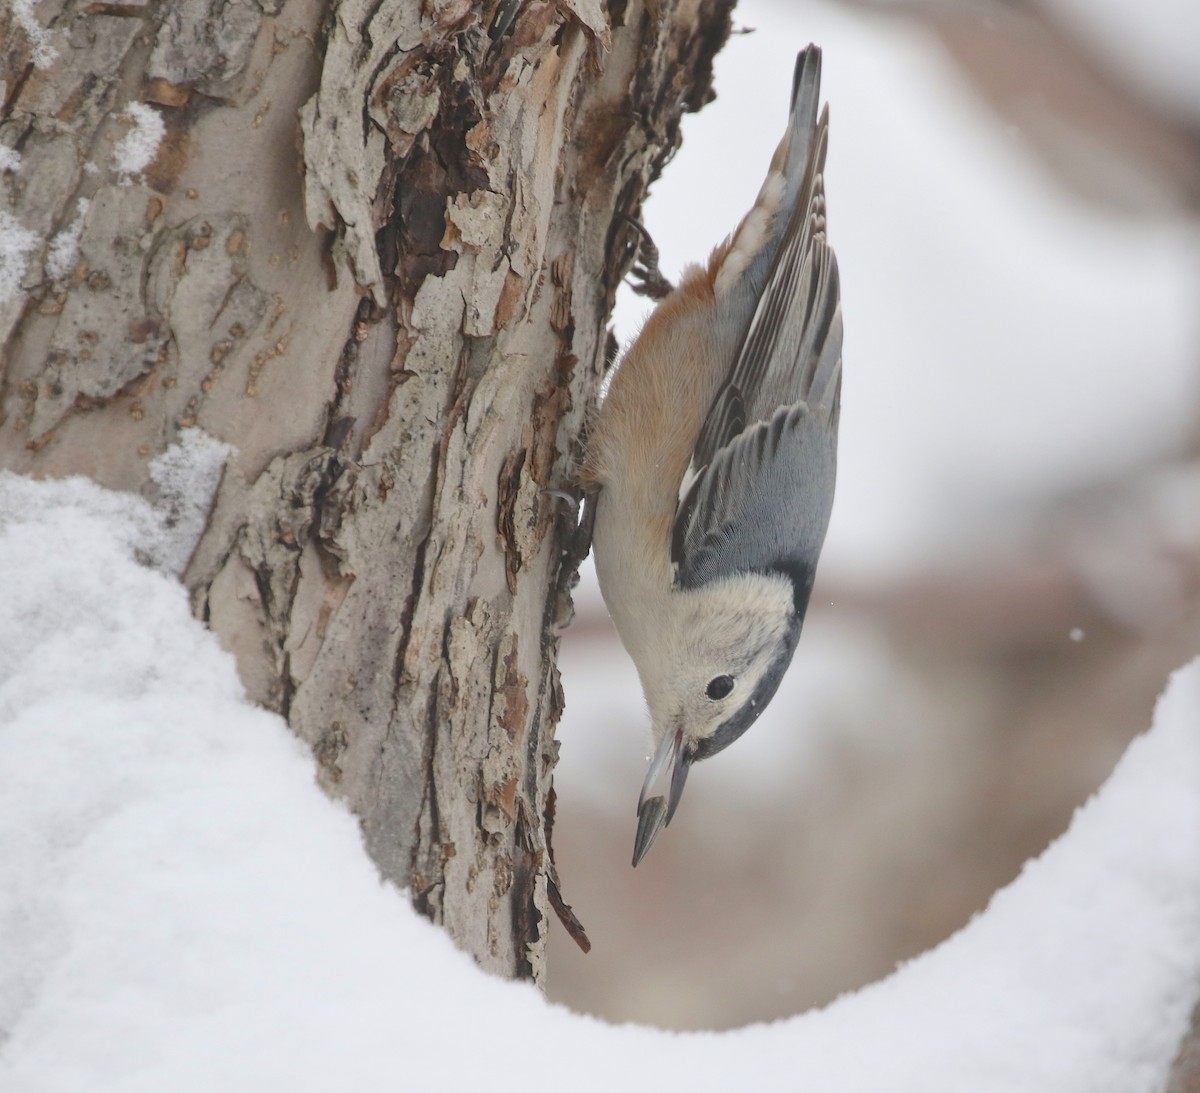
576 542
646 277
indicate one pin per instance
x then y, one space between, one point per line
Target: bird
711 464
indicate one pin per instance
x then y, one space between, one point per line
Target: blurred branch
1104 137
1185 1071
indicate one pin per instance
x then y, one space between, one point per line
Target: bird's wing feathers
760 483
762 505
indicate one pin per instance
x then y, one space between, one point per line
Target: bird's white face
721 652
720 645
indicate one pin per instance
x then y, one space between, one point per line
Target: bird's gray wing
762 505
759 488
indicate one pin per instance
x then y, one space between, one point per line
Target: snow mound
181 907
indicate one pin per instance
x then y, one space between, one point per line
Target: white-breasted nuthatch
714 456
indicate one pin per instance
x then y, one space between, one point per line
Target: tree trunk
374 251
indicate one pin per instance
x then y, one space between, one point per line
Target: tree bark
375 252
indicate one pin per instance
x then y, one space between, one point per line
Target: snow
187 475
136 150
10 158
16 243
64 247
181 907
41 51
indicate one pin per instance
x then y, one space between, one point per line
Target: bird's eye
719 687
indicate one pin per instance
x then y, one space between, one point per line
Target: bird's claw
646 277
576 544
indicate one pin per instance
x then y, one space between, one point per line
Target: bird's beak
655 810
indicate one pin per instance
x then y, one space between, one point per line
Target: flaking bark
375 252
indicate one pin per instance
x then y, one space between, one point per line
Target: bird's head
716 666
